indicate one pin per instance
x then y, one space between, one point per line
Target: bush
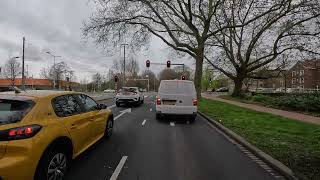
300 102
262 99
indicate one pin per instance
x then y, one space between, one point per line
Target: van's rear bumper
176 110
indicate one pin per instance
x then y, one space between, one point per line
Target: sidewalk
287 114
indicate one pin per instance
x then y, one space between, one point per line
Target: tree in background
56 73
259 33
12 69
154 82
184 25
168 74
97 80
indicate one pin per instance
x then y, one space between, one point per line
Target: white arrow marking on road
144 122
172 124
112 106
119 167
122 113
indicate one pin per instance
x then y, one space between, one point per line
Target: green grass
294 143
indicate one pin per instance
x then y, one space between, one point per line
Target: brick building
305 75
34 83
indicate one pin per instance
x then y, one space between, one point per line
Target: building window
293 73
301 72
293 80
302 80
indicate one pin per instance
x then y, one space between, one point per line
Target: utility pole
23 76
124 63
55 75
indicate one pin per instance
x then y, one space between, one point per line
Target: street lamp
54 67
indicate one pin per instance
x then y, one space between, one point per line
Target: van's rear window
176 87
12 111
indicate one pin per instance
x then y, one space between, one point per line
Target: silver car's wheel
57 167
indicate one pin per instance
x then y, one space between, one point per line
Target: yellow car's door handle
73 126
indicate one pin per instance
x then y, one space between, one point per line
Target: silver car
129 95
176 97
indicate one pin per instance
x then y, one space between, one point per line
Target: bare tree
168 74
12 69
97 81
259 33
184 25
56 73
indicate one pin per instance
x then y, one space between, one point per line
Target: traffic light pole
175 64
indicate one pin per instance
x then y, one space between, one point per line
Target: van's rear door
177 93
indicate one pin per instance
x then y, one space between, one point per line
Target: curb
275 164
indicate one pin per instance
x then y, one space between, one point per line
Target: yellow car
42 131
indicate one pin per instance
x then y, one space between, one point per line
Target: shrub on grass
300 102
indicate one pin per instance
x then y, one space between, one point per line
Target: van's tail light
158 101
195 102
23 132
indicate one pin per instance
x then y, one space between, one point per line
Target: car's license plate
169 102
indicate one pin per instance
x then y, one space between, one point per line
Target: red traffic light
148 63
115 78
168 64
183 77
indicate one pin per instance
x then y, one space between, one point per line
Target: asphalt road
143 148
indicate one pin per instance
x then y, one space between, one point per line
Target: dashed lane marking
144 122
119 167
172 124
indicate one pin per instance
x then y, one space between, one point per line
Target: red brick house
305 75
34 83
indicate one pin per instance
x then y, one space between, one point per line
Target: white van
176 97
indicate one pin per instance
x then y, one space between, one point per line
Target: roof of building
37 93
32 81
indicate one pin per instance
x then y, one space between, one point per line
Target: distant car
176 97
109 91
129 95
42 131
223 89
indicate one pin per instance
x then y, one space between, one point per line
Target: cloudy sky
55 26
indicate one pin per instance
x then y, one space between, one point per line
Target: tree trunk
237 87
198 74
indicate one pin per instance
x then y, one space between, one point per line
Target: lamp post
124 62
54 67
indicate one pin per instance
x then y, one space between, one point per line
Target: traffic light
148 63
168 64
115 78
183 77
210 80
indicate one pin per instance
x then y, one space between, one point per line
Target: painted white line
144 122
119 167
112 106
150 109
122 113
172 124
145 96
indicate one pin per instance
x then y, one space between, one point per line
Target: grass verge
294 143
